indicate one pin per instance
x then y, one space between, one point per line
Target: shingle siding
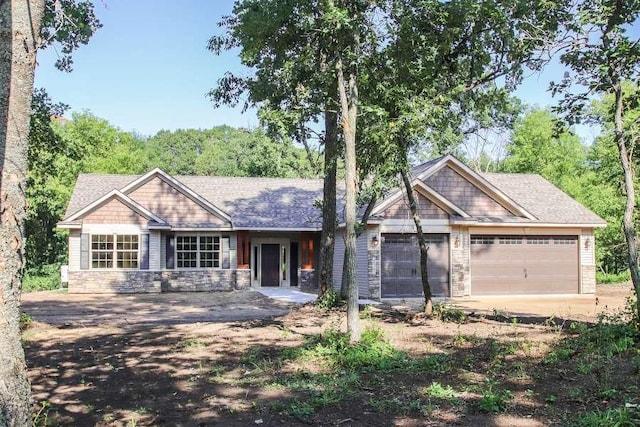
464 194
171 205
114 212
426 209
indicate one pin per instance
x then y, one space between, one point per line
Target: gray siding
338 261
362 260
361 264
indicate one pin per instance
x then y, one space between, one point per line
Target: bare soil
196 371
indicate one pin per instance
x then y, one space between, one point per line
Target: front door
270 264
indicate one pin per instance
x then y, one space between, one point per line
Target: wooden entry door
270 264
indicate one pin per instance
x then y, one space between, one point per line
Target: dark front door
270 265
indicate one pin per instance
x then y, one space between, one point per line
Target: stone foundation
134 282
112 281
307 281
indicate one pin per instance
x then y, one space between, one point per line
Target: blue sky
148 68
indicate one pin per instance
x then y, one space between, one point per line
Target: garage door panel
400 257
524 265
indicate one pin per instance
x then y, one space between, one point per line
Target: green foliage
25 320
447 313
618 417
42 278
439 391
609 278
537 147
329 300
493 400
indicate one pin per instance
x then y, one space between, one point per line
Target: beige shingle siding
426 209
171 205
114 212
465 195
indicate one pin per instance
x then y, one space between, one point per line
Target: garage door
401 265
524 265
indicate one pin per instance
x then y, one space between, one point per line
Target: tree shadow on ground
274 371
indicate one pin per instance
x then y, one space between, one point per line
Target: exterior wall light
374 240
587 243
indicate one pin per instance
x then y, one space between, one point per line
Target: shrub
43 278
329 300
446 313
608 278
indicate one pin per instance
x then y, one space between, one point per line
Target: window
540 240
510 240
559 240
124 251
127 251
198 251
482 240
102 251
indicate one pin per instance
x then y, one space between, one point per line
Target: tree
601 54
285 44
538 146
305 56
21 25
437 78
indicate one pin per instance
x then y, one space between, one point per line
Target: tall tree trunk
348 94
630 205
327 239
19 26
424 250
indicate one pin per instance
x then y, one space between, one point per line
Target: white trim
256 263
132 204
198 268
526 224
275 229
69 226
137 183
201 229
112 229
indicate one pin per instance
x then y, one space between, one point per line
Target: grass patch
191 344
603 278
446 313
494 400
619 417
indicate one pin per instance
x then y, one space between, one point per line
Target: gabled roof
543 199
184 189
251 203
113 194
290 204
477 180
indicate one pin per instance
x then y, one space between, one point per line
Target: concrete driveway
61 308
608 299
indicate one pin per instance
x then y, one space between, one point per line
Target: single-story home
488 234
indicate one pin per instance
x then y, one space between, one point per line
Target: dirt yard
118 370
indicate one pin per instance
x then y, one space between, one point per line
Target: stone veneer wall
460 262
374 271
243 279
307 280
588 279
113 281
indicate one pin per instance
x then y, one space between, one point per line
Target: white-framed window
115 251
198 251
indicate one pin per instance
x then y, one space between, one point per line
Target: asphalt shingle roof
542 199
284 203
